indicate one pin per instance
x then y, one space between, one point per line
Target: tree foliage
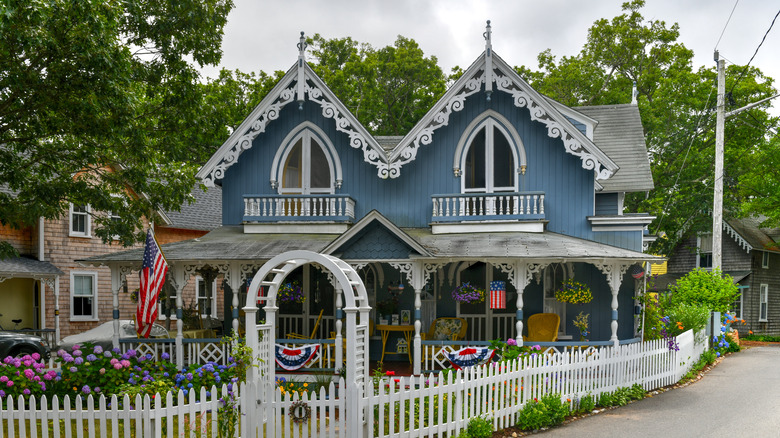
677 106
710 289
97 103
387 89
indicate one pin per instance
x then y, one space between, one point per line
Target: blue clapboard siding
406 200
606 204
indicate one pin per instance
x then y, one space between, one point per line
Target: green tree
389 89
711 289
97 105
677 106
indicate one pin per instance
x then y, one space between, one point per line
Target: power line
744 70
727 24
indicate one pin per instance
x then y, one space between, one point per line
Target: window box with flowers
468 294
573 292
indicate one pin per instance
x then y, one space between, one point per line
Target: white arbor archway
261 337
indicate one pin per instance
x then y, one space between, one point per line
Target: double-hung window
704 251
79 221
765 260
763 308
207 298
83 296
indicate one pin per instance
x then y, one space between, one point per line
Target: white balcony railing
479 206
299 207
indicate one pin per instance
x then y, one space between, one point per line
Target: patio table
406 330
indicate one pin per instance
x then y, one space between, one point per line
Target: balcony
320 208
479 208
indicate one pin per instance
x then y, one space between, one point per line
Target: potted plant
573 292
290 293
468 294
387 307
581 322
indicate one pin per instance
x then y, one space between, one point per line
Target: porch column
233 279
418 282
520 281
338 341
179 277
116 285
614 273
57 338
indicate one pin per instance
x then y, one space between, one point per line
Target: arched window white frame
489 155
306 163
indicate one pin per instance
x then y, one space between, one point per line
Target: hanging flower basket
574 293
290 293
466 293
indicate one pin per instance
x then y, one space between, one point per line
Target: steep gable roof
748 235
369 220
299 83
507 81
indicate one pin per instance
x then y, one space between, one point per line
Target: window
554 276
704 251
83 296
167 305
207 298
79 221
489 162
306 168
765 260
763 307
736 306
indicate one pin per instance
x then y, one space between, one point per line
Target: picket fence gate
435 404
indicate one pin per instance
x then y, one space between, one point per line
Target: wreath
289 293
573 292
466 293
300 411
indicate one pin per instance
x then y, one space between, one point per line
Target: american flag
152 279
498 295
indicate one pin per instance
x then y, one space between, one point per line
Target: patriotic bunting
470 356
292 359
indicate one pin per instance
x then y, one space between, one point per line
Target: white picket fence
427 405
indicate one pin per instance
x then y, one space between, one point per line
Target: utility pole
717 210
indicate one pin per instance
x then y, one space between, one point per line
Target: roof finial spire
301 61
634 93
488 61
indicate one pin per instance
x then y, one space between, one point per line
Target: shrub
479 428
621 397
637 392
547 412
605 400
687 316
708 288
534 415
587 403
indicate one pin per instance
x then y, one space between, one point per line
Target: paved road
738 398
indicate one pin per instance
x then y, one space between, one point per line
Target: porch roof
225 243
231 243
544 245
24 267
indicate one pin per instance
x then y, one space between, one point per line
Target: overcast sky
262 35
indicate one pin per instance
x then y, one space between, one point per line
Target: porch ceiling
545 245
225 243
23 267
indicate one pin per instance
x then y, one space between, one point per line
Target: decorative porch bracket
614 272
520 274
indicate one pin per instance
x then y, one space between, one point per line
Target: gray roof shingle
27 268
204 214
620 135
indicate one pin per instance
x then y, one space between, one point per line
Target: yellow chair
543 327
446 329
313 332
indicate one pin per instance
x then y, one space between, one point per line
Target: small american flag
498 294
152 279
637 272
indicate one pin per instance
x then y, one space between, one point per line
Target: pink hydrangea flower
29 373
10 383
117 366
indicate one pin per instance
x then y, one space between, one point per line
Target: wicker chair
543 327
